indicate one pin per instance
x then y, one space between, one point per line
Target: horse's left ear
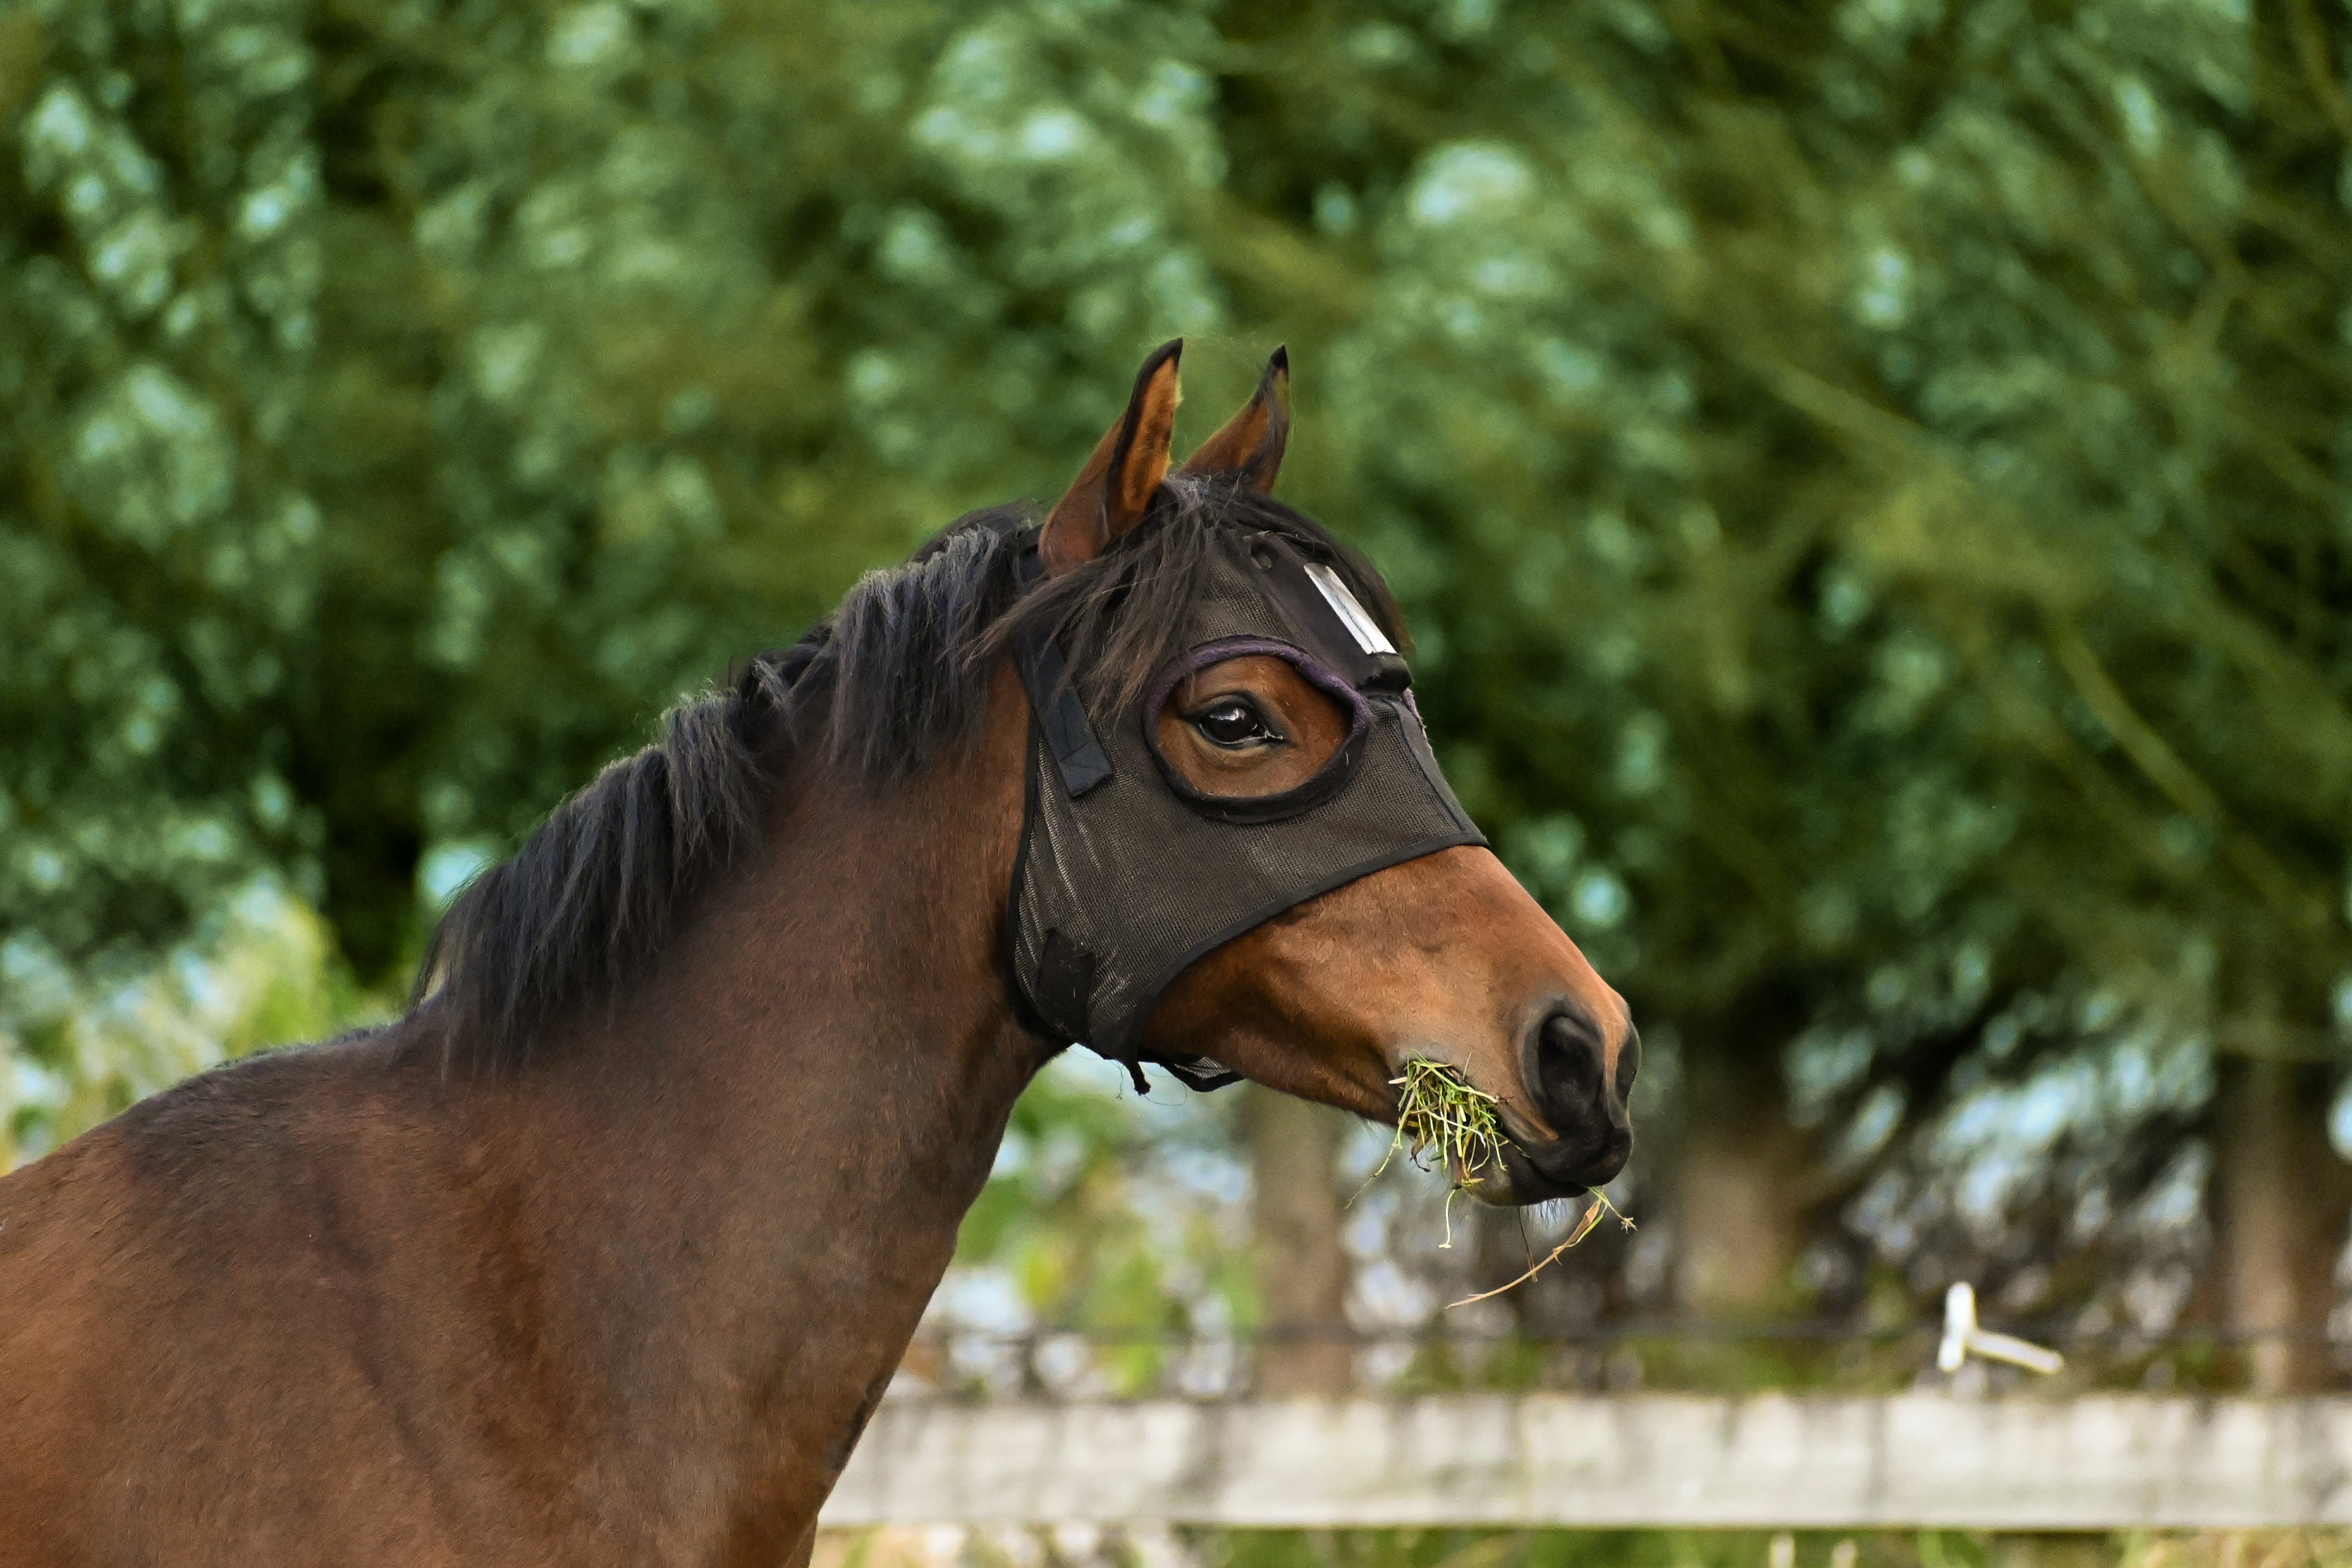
1110 493
1251 441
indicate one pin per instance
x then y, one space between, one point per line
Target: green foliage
258 971
159 281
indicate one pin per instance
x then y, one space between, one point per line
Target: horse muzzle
1580 1093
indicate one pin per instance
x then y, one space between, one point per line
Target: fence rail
2098 1462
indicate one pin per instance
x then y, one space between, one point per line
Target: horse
604 1252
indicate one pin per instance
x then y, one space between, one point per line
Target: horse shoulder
214 1325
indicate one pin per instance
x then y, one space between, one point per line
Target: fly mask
1128 873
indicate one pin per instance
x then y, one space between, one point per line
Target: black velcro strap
1061 717
1198 1073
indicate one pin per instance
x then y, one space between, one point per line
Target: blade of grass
1438 1110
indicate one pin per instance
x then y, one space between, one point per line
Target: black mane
894 679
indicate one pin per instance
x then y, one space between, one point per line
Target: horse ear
1111 492
1251 441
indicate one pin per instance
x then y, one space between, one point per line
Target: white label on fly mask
1361 626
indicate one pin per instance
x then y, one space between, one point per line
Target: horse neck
758 1167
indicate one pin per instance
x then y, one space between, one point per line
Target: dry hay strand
1600 1205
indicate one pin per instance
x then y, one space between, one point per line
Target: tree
1302 1270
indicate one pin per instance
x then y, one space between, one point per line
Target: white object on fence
2096 1462
1963 1338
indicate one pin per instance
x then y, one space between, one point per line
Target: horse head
1241 857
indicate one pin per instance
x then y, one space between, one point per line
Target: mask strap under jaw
1199 1074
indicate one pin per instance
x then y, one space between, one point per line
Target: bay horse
604 1252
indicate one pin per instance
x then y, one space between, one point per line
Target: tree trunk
2281 1203
1741 1176
1302 1269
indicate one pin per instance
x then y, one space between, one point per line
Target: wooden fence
1910 1460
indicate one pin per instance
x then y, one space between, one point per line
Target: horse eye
1233 723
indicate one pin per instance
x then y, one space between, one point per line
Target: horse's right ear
1110 493
1251 441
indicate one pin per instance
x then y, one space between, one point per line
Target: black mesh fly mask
1128 873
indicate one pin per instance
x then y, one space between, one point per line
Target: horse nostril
1629 1062
1569 1068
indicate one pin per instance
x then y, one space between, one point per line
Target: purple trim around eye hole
1193 661
1244 809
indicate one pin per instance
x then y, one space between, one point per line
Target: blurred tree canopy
1871 483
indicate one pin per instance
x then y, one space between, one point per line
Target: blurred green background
1871 482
